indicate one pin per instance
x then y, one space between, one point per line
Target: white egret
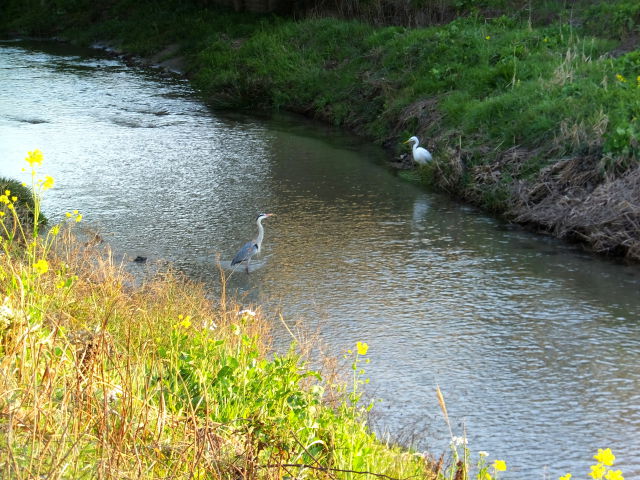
420 155
252 247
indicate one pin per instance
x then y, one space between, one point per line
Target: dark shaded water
534 344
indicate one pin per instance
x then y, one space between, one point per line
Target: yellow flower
597 471
34 157
620 78
4 199
638 80
2 214
41 266
185 322
48 182
488 37
565 477
14 199
362 348
75 214
7 192
500 465
614 475
605 457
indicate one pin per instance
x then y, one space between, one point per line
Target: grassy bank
104 379
530 112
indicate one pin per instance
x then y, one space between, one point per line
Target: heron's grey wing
247 251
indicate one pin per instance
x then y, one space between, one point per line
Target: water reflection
535 345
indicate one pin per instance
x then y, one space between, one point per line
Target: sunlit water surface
534 344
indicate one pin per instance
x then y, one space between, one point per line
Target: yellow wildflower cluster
622 79
47 183
37 246
498 466
8 201
362 348
41 266
605 459
184 322
600 470
75 215
34 158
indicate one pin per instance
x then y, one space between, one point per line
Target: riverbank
532 118
104 379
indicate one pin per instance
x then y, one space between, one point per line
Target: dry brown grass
574 200
582 135
76 400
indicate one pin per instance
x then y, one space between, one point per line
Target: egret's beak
271 214
407 141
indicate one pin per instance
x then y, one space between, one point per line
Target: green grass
498 82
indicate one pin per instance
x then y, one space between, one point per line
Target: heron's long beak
406 141
271 214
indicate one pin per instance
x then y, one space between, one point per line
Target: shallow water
534 344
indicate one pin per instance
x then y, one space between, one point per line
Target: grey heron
252 247
420 155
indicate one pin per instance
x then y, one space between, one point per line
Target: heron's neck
260 233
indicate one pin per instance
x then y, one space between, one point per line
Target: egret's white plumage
420 155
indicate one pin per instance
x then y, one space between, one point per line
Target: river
534 344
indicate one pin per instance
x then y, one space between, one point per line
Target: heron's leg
247 267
